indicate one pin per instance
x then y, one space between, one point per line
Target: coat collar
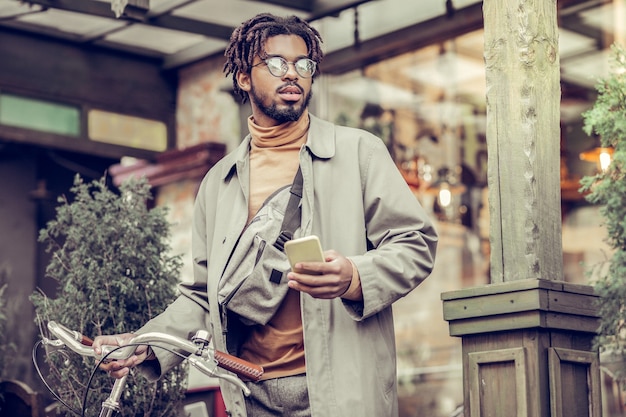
321 139
320 142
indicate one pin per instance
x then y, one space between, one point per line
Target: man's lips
290 93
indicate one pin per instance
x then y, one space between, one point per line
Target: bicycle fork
111 405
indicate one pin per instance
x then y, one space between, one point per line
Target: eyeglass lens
279 66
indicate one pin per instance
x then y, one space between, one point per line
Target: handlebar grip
238 366
84 340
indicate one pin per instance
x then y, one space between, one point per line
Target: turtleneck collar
283 134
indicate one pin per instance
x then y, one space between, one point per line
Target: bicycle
200 355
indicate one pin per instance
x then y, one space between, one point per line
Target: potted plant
607 189
110 257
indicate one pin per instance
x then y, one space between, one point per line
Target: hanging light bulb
445 188
600 155
604 159
445 195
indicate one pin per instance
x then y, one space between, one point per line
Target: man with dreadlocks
329 348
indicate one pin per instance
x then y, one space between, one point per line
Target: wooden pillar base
527 348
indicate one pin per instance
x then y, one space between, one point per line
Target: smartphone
304 249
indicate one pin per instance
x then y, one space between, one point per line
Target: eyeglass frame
285 65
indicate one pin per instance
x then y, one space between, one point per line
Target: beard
287 113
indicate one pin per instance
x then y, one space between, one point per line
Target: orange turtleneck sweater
274 159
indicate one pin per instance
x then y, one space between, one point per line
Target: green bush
607 119
110 257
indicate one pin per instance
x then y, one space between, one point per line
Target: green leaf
607 118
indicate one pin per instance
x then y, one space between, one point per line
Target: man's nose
291 73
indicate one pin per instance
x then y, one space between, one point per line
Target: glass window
39 115
134 132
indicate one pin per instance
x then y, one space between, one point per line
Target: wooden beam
325 8
81 144
93 7
88 78
164 20
212 30
317 9
203 50
404 40
302 5
62 71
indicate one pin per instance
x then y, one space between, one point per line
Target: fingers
327 291
326 280
120 374
111 340
116 369
120 367
115 366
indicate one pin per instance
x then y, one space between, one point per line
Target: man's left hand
328 279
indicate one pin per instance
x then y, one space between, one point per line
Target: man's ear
243 81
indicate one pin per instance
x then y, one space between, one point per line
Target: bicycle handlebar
201 356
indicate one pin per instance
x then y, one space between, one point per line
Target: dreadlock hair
249 39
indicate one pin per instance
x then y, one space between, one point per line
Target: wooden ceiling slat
89 7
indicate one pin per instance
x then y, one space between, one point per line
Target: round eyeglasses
278 66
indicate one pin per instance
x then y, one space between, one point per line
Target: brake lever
212 370
80 344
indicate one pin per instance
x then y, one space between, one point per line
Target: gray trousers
286 396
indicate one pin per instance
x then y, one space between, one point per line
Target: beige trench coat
357 202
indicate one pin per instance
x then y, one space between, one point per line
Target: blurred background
136 87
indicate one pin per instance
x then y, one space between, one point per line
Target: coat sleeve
190 311
401 238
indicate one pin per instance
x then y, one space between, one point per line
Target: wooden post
527 336
523 139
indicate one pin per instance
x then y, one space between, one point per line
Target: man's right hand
120 367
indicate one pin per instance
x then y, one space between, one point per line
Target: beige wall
205 112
